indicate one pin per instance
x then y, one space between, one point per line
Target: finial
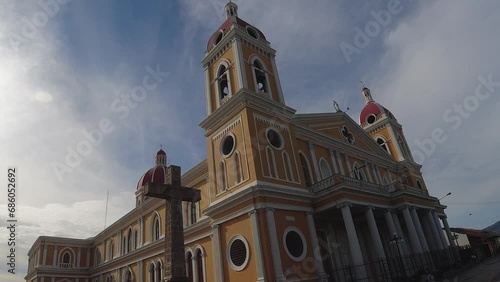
336 106
161 146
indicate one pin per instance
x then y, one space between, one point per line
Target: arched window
237 168
288 166
222 177
383 144
305 169
223 82
262 86
156 229
271 162
419 184
66 260
111 253
189 262
136 239
97 257
199 270
158 272
129 240
151 272
325 169
128 276
358 172
193 212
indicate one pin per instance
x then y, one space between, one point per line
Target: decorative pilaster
314 161
217 257
271 226
256 241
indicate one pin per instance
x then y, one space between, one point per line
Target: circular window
295 243
238 253
227 145
252 32
274 138
371 119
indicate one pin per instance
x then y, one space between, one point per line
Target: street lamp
455 238
449 193
397 240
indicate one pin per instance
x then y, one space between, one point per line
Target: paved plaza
486 271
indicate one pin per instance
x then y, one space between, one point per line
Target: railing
337 179
66 265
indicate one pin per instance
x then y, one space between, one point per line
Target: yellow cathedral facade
284 196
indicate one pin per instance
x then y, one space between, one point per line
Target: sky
68 68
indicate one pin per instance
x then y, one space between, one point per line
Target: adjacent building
285 196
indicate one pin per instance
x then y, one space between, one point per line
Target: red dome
226 25
161 152
157 174
371 108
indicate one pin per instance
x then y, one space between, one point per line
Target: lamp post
455 238
449 193
397 240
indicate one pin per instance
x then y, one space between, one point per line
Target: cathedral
284 196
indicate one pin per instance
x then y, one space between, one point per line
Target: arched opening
112 249
237 168
189 262
260 77
97 257
129 240
271 162
136 239
358 172
383 144
223 82
193 212
325 169
156 229
306 170
158 276
128 276
199 270
288 166
151 271
222 177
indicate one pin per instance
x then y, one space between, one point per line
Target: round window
238 253
295 243
252 32
274 138
227 145
371 119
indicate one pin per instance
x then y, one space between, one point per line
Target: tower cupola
231 10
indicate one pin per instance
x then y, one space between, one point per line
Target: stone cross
174 194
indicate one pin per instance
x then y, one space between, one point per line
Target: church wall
266 247
238 226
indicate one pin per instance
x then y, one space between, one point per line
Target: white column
352 236
412 232
140 274
448 231
271 226
217 254
372 225
119 250
348 164
78 257
341 167
208 94
54 259
334 161
315 245
420 231
256 241
278 82
429 235
432 224
44 259
368 172
314 161
440 230
240 67
195 267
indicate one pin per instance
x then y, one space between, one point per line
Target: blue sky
70 73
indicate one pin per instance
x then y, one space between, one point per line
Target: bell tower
238 57
385 129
